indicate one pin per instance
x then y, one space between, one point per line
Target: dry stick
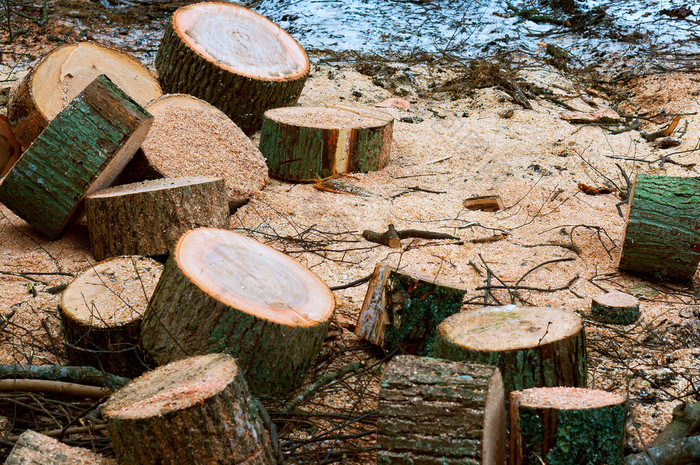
57 432
357 282
321 382
53 387
392 237
531 288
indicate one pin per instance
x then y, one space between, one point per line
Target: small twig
357 282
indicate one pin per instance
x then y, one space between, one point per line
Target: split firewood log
565 425
196 410
10 150
101 314
82 150
533 346
224 292
662 238
615 308
438 412
308 143
33 448
62 74
147 218
234 58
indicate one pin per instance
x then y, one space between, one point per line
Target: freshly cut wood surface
196 410
307 143
148 218
232 57
615 308
34 448
62 74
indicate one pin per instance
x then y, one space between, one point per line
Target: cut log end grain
62 74
615 308
33 448
566 398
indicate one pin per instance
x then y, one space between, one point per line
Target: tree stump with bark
10 150
33 448
437 412
147 218
196 410
308 143
234 58
224 292
101 314
404 309
533 346
615 308
62 74
189 137
662 238
82 150
564 425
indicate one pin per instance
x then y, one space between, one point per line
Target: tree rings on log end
62 74
33 448
148 218
615 308
307 143
533 346
196 410
247 299
234 58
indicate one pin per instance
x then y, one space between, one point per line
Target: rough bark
436 412
72 374
10 149
33 448
615 308
684 451
82 150
685 422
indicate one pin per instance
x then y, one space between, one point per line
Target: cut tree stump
662 238
62 74
437 412
189 137
533 346
224 292
148 218
308 143
234 58
193 411
565 425
615 308
81 151
404 309
10 149
101 314
33 448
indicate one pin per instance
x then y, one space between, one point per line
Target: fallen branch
392 238
58 432
67 374
321 382
53 387
684 451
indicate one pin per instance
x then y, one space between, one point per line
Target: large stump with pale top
224 292
33 448
234 58
533 346
82 150
101 314
308 143
148 218
62 74
437 412
564 425
196 410
662 238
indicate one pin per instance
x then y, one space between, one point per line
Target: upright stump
615 308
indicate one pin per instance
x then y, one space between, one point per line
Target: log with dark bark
196 410
437 412
82 150
615 308
148 218
533 346
684 422
10 150
101 314
234 58
563 426
684 451
225 292
33 448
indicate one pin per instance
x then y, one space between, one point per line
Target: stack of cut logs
226 313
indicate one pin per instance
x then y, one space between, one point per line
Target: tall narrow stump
662 238
437 412
196 410
33 448
225 292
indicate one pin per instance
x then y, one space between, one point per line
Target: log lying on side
196 410
81 151
404 309
148 218
70 374
189 137
615 308
436 412
33 448
308 143
533 346
62 74
662 238
234 58
10 149
564 425
224 292
101 314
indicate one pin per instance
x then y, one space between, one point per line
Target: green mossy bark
663 232
614 315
